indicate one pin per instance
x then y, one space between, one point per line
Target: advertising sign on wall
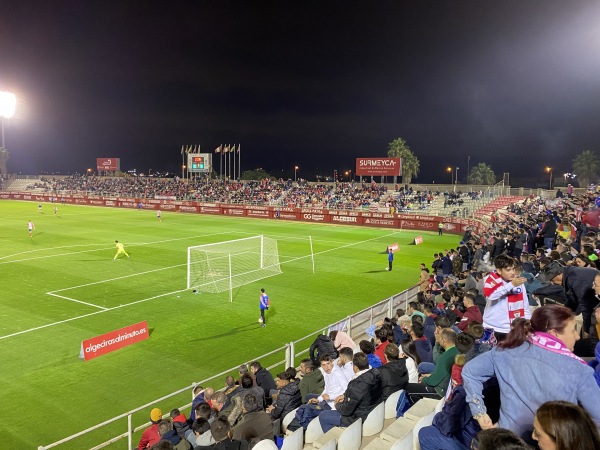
378 167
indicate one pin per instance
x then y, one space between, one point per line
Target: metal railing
354 325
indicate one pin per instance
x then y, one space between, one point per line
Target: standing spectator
341 340
548 232
506 297
542 346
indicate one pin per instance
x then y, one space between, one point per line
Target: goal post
223 266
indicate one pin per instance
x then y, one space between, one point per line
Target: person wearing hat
578 284
150 435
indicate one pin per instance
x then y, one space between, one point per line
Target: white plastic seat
313 431
294 441
401 429
331 445
266 444
440 405
391 403
422 422
421 409
351 437
287 419
374 422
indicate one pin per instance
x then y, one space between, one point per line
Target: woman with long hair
412 358
533 365
560 425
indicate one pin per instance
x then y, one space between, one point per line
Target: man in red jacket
472 312
150 435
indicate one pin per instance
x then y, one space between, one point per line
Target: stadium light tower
8 102
549 170
295 172
449 169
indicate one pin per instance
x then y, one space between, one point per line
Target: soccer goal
223 266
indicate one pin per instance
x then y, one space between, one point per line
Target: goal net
223 266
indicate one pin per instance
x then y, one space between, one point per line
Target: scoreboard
199 162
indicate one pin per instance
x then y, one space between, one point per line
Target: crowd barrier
286 356
414 221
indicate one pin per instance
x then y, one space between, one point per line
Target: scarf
516 298
553 344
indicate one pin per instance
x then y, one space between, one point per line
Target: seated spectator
197 398
476 331
540 348
381 341
360 398
163 445
429 324
414 309
441 323
255 424
422 344
434 385
248 387
471 313
288 398
229 408
264 379
561 425
167 433
411 358
312 381
232 388
341 340
322 345
150 435
200 435
498 439
344 362
180 424
394 375
368 349
335 382
221 432
453 428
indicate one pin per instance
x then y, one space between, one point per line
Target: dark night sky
513 83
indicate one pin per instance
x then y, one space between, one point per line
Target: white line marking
75 300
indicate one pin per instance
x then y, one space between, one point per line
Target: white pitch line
154 297
75 300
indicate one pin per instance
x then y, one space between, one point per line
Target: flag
182 149
218 149
226 149
238 150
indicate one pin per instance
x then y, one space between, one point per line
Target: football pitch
62 286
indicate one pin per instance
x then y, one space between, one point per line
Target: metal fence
285 356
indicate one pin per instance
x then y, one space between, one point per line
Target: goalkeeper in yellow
120 250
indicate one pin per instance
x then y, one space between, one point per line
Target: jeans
548 243
330 419
430 438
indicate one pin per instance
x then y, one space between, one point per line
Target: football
260 320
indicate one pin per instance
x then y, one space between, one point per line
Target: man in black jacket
322 345
394 375
361 397
264 379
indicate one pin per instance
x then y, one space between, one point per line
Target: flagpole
239 163
221 163
234 162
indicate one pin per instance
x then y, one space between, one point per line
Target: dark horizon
511 84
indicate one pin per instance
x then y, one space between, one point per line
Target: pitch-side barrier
288 354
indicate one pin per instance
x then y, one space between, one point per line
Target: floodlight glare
8 102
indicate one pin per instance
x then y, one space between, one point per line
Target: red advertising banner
108 164
393 247
418 240
378 166
109 342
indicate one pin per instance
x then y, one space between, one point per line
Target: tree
4 157
586 166
481 174
410 164
256 174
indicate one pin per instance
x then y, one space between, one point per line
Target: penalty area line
76 301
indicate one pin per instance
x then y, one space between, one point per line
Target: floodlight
8 102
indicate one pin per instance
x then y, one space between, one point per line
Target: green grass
48 393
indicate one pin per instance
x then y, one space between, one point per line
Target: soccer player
55 210
30 227
264 305
158 215
120 250
39 207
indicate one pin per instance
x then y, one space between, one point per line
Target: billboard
199 162
108 164
378 166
